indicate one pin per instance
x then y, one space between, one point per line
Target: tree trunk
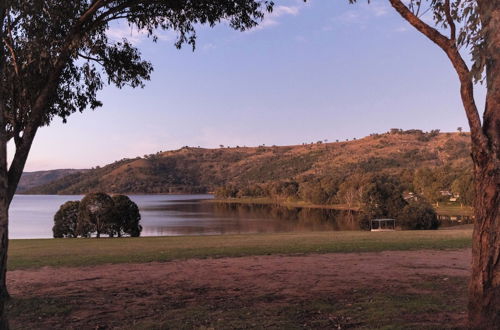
4 245
484 288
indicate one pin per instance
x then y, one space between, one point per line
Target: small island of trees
98 214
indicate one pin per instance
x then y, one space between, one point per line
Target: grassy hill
30 180
190 170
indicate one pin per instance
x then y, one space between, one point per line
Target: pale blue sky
322 70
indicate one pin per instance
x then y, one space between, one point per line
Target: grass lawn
36 253
453 210
400 307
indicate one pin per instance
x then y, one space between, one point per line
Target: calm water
31 216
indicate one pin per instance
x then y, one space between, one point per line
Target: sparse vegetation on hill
30 180
319 173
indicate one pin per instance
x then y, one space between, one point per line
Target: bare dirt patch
410 289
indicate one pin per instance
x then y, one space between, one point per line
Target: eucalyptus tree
468 31
56 55
66 220
97 215
127 217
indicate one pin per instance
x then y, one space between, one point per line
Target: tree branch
450 21
95 59
40 105
10 45
464 74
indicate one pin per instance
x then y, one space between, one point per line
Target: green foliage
228 191
312 191
463 186
383 198
66 220
418 215
426 183
127 217
67 42
96 215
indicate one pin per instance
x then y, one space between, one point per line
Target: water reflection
31 216
202 217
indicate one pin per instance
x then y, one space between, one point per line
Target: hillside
190 170
30 180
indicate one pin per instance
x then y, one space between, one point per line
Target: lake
31 216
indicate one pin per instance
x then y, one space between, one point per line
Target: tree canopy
127 217
96 215
57 55
66 220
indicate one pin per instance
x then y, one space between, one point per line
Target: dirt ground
302 291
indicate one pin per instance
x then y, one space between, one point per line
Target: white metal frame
383 224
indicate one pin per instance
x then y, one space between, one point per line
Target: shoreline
269 201
442 210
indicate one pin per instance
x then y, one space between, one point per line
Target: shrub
66 220
418 215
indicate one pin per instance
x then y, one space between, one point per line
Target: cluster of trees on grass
97 214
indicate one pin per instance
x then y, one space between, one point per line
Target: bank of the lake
286 203
444 209
32 216
37 253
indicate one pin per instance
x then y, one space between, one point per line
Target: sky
321 70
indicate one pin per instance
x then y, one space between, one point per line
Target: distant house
454 198
410 196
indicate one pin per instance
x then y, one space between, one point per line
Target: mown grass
453 210
36 253
430 303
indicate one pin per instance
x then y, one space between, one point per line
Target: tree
66 220
427 184
347 194
56 55
96 215
382 198
464 187
127 217
418 215
474 26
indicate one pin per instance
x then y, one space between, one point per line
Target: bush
66 220
418 215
